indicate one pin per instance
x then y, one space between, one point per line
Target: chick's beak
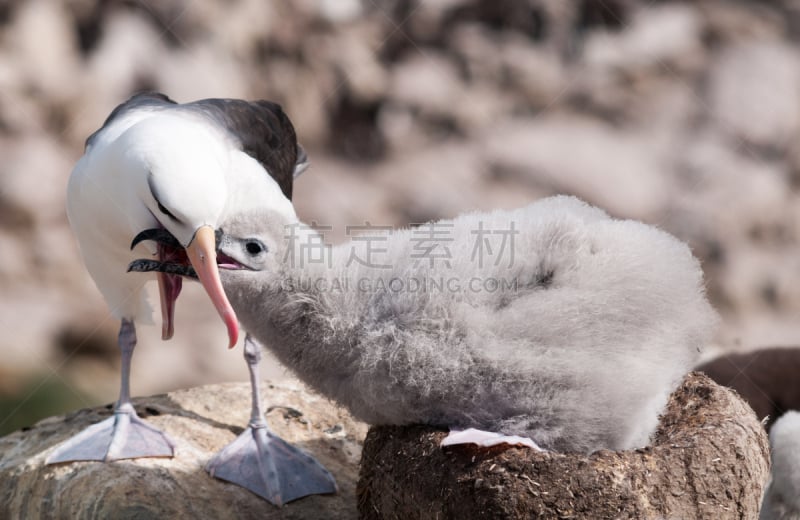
203 257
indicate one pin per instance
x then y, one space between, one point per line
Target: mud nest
709 459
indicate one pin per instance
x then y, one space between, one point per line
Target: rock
744 22
352 54
709 459
200 71
303 92
125 52
721 178
327 199
624 71
201 421
755 93
582 157
478 48
34 318
337 11
46 47
509 63
34 179
234 29
748 254
427 82
420 192
662 37
538 74
15 263
427 19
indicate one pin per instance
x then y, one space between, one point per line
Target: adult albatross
159 167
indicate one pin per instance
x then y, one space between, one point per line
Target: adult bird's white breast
111 196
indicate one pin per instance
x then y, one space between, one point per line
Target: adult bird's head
193 177
182 186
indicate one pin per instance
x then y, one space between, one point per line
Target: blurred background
685 115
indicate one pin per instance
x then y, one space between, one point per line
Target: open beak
203 257
168 289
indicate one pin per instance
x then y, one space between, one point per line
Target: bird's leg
124 435
127 342
486 439
264 463
252 355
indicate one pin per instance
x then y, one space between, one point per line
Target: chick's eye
254 247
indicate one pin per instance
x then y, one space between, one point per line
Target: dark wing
143 99
263 131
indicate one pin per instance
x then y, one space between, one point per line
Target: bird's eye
254 247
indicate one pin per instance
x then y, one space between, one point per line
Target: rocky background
683 115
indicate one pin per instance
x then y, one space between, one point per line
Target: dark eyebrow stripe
161 207
166 212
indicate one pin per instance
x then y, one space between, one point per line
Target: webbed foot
122 436
270 467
